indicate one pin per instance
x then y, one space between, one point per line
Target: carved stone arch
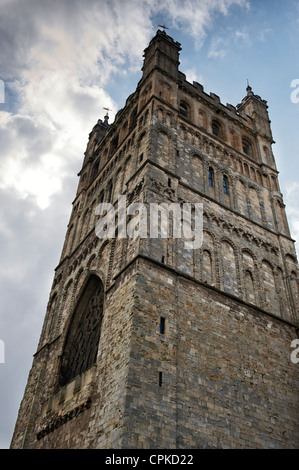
48 327
254 202
118 181
291 258
161 114
90 261
241 195
283 294
127 172
83 229
246 169
226 186
102 247
66 305
169 119
83 330
211 247
76 283
185 108
197 140
90 223
165 90
211 149
250 283
230 266
141 137
274 183
269 286
197 171
295 293
163 130
252 254
211 234
164 148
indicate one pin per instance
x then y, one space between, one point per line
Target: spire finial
106 118
248 89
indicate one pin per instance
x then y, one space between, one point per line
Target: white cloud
242 37
216 49
57 60
193 76
60 70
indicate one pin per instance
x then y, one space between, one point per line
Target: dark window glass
246 147
183 109
211 177
81 346
225 185
162 325
215 128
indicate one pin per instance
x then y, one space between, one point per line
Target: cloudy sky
61 63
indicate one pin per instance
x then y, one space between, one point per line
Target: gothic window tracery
81 345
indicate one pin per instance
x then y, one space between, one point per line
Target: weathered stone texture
227 376
218 374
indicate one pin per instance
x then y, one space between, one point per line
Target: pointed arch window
211 177
83 336
225 184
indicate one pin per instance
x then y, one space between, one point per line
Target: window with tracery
82 341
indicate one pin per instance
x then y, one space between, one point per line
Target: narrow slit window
160 379
162 325
211 177
225 184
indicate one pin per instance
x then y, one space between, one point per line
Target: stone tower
148 343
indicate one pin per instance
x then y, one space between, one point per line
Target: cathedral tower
149 342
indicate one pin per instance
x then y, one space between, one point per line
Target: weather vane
107 115
163 27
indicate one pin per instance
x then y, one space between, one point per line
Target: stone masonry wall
227 378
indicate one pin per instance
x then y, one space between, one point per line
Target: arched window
216 128
133 118
183 108
82 340
211 176
113 145
109 191
246 147
95 169
225 184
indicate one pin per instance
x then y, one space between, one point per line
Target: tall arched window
211 176
184 109
247 147
225 184
216 128
82 340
